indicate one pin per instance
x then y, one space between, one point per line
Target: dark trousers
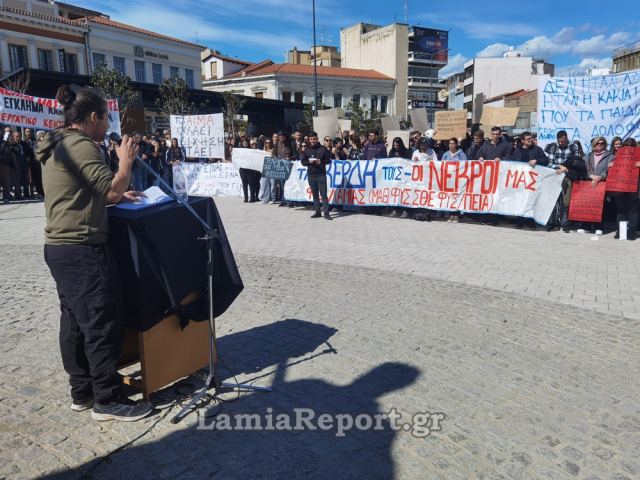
36 177
6 180
628 209
21 182
91 322
318 185
254 184
245 177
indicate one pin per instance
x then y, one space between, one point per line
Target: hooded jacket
76 181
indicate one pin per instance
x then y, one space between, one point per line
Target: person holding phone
316 158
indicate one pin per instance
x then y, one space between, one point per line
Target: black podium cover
161 261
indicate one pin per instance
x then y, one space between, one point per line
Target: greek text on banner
499 187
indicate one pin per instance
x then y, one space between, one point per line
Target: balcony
423 82
415 58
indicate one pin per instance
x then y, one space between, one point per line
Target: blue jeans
268 189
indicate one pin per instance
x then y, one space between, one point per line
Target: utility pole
315 63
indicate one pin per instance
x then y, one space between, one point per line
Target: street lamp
315 63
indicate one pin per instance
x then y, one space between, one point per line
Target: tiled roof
269 68
227 59
123 26
42 16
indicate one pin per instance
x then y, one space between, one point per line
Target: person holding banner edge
78 186
316 158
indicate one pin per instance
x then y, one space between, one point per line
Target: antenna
406 11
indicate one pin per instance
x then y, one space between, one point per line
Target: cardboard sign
390 123
250 158
499 116
326 126
202 136
623 176
587 202
451 123
276 168
419 119
344 126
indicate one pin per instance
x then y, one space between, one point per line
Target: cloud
455 65
599 44
494 50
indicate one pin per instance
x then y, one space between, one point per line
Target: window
286 96
17 57
383 104
156 70
72 62
188 77
374 102
356 99
214 69
259 94
174 72
119 64
99 59
337 100
319 100
298 97
140 73
45 59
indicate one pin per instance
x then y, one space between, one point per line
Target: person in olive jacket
316 158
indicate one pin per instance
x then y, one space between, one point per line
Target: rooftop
267 67
226 58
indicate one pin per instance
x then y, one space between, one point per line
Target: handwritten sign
623 176
589 107
499 116
502 187
202 136
451 123
419 119
276 168
390 123
249 158
213 179
587 202
42 113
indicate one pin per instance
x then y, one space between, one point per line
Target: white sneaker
580 230
78 406
598 232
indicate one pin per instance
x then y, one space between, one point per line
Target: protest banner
587 201
589 107
499 116
213 179
202 136
623 175
42 113
403 134
499 187
450 123
419 119
250 158
390 123
276 168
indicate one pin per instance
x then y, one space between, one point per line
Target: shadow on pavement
274 435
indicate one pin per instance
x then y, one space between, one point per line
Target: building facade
337 87
490 77
626 58
216 65
411 55
34 35
322 55
527 103
52 36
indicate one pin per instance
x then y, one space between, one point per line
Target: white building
295 83
490 77
216 66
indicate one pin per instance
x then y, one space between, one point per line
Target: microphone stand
210 235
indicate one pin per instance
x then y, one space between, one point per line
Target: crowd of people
21 177
563 156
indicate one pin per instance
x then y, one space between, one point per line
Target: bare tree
114 84
18 82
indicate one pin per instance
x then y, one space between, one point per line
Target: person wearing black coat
7 169
533 155
316 158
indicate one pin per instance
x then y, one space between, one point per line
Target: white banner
42 113
499 187
250 158
213 179
588 107
202 136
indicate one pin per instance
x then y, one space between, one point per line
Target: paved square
526 341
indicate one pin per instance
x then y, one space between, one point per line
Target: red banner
623 176
587 202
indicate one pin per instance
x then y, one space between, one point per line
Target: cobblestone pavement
526 341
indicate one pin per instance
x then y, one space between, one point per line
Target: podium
164 296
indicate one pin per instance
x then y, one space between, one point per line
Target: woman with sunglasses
597 166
